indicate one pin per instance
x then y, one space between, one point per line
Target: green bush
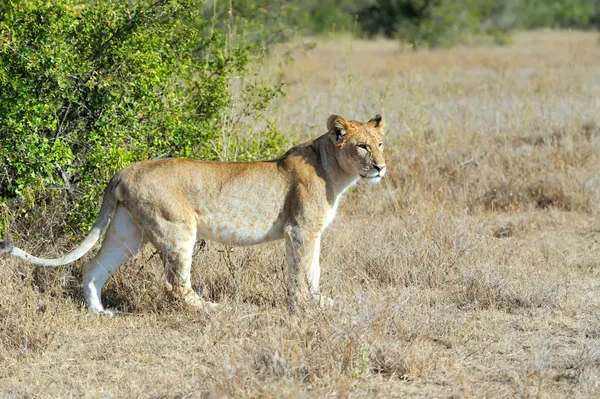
89 87
280 20
442 23
334 16
555 13
432 23
423 23
254 21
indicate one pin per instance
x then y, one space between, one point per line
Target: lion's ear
338 125
377 122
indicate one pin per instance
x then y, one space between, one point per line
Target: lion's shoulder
299 150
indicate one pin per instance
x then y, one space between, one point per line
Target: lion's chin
373 180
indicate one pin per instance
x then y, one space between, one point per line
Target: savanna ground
472 270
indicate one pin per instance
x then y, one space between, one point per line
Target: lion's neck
338 178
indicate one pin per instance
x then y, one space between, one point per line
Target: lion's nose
379 167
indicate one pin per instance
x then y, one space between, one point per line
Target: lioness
173 202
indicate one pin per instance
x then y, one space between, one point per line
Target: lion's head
359 146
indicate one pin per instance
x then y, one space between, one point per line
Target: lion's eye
380 145
363 146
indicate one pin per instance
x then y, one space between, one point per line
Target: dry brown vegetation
472 270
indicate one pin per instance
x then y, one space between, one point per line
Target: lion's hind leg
122 241
178 265
175 242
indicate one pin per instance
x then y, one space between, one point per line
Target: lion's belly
240 232
247 210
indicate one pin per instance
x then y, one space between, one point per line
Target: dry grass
471 271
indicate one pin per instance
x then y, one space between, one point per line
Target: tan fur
174 202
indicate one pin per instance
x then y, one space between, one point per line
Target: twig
474 159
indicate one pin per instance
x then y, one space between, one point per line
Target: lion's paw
104 312
324 302
197 302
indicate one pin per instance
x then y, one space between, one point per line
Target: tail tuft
5 246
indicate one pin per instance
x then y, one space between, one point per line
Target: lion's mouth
371 175
374 173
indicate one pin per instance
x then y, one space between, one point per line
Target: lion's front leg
313 275
302 254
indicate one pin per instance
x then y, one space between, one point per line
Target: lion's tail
109 204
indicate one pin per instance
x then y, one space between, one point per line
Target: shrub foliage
423 23
89 87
